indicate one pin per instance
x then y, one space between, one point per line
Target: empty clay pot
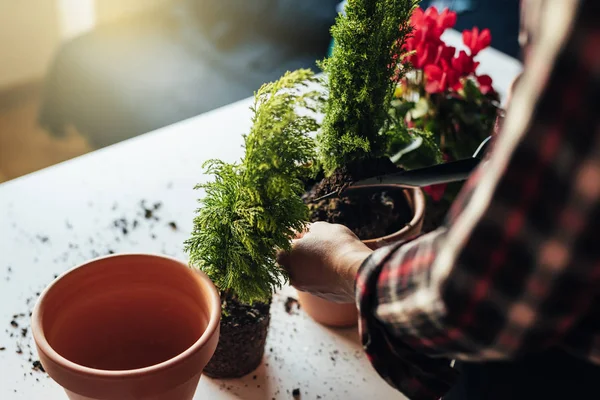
346 314
128 326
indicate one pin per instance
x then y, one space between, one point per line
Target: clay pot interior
115 321
129 314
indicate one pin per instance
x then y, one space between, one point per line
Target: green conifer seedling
361 75
253 208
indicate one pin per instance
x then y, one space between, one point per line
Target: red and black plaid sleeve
517 268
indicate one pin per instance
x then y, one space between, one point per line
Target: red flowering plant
442 106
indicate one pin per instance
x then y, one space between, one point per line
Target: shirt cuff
417 376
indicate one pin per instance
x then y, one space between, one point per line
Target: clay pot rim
44 346
416 199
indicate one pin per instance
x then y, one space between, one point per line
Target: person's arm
518 265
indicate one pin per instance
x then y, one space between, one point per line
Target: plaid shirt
517 267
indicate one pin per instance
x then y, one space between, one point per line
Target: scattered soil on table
37 366
150 210
296 393
147 213
43 239
290 304
369 214
88 247
242 339
122 225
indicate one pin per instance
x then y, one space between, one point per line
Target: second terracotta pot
128 327
345 314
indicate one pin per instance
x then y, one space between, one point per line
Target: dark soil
242 339
149 210
37 366
437 211
290 304
369 214
435 215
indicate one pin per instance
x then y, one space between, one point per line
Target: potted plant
361 76
441 101
251 209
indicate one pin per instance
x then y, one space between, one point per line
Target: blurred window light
76 17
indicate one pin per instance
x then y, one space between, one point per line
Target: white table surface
54 219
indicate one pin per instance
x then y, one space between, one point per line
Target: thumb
300 234
284 257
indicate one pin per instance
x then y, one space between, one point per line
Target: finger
283 258
304 231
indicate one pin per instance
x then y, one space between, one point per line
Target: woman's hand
324 261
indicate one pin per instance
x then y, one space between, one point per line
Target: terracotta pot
241 342
345 314
128 326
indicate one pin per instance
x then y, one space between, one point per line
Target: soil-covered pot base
242 339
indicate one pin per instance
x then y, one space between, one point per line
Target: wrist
353 261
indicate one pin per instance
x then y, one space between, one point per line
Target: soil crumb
289 304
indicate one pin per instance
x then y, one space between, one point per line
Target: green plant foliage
458 121
254 207
361 75
428 153
399 137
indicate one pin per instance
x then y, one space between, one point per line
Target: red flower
436 191
432 13
447 19
485 84
444 55
416 19
439 80
464 64
423 54
475 40
426 25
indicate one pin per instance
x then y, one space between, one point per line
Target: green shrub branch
253 208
